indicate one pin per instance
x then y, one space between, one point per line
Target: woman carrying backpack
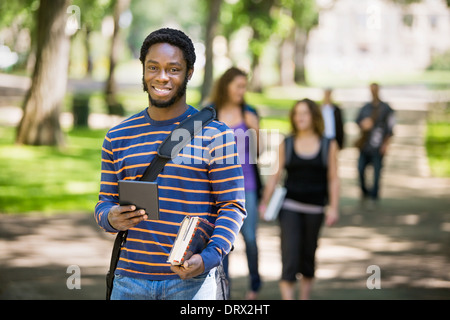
312 185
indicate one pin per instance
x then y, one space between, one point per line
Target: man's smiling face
165 75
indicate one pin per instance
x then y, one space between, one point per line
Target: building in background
366 38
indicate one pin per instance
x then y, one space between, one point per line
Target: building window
408 20
433 21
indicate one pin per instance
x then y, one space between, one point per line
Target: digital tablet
142 194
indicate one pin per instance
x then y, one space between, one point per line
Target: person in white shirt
333 119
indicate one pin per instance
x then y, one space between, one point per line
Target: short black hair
174 37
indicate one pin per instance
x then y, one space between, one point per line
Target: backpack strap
288 148
170 148
325 146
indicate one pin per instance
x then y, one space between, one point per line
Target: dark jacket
339 125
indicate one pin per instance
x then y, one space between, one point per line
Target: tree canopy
284 22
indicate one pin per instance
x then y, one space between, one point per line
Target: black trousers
299 237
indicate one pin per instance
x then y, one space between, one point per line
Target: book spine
190 241
185 252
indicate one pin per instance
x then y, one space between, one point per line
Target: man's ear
190 73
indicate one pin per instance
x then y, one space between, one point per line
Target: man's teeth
162 90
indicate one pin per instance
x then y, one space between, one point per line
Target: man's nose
163 76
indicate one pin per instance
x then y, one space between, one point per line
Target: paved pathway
406 238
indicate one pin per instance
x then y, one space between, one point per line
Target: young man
333 119
209 186
376 122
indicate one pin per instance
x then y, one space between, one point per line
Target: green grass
438 148
276 123
261 99
48 180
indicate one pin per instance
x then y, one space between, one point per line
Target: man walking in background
333 119
376 122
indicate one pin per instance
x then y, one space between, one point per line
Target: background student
228 98
333 119
312 196
376 122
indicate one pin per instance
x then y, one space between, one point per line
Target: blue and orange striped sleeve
227 183
109 194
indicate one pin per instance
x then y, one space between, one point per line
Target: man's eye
151 68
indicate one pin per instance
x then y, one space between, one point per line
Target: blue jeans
248 231
202 287
376 159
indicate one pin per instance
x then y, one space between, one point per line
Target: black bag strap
170 148
118 242
325 146
289 147
167 150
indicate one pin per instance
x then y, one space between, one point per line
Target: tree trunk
211 30
301 43
255 80
42 105
87 43
114 107
287 62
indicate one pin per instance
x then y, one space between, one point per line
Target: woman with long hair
228 100
312 185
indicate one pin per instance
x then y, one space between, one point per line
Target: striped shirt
205 180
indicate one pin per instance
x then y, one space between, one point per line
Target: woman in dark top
228 100
312 185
